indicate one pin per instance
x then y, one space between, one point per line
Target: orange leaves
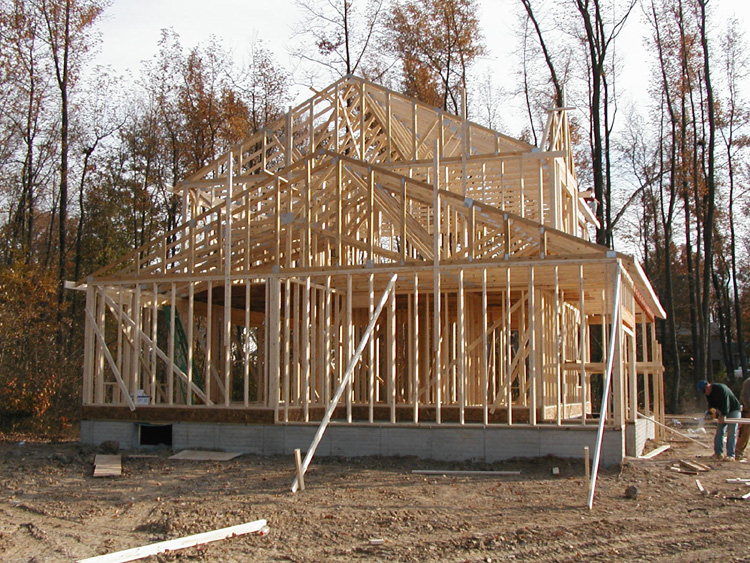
30 370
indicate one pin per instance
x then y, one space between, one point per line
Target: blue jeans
731 435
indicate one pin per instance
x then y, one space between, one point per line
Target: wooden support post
414 155
246 351
306 351
403 221
300 471
619 388
436 249
485 349
370 214
277 222
227 341
121 330
534 367
646 374
190 343
327 378
461 352
135 359
415 350
582 345
587 468
307 256
286 346
388 126
371 352
227 267
88 346
154 328
632 379
339 214
273 320
209 343
391 355
349 347
557 346
362 112
508 350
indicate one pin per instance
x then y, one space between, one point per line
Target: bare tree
599 33
342 33
735 117
68 25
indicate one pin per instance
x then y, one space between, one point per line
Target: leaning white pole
180 543
344 380
605 394
676 432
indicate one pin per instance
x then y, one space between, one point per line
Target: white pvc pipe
605 394
344 380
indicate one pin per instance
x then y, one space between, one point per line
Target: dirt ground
53 509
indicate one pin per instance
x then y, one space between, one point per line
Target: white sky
131 29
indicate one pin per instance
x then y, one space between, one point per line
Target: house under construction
435 272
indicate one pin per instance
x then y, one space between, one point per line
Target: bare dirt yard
53 509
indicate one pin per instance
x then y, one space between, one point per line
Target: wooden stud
286 369
436 230
306 350
534 367
582 345
89 346
154 328
461 345
372 362
209 345
485 363
246 348
191 341
391 355
349 345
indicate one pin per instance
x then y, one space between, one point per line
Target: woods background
88 158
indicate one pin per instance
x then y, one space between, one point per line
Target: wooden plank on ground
107 465
678 469
693 466
700 487
179 543
655 452
200 455
701 465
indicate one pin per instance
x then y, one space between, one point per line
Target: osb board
199 455
107 465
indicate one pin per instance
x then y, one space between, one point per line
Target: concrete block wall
638 434
443 442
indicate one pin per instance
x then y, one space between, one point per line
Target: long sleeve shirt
722 399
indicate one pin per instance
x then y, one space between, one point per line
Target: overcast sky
131 29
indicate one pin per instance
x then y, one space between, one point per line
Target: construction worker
721 398
744 433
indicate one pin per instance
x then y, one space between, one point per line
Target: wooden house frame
500 313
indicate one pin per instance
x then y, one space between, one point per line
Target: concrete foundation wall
444 442
637 436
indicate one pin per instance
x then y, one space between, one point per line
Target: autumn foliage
32 374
